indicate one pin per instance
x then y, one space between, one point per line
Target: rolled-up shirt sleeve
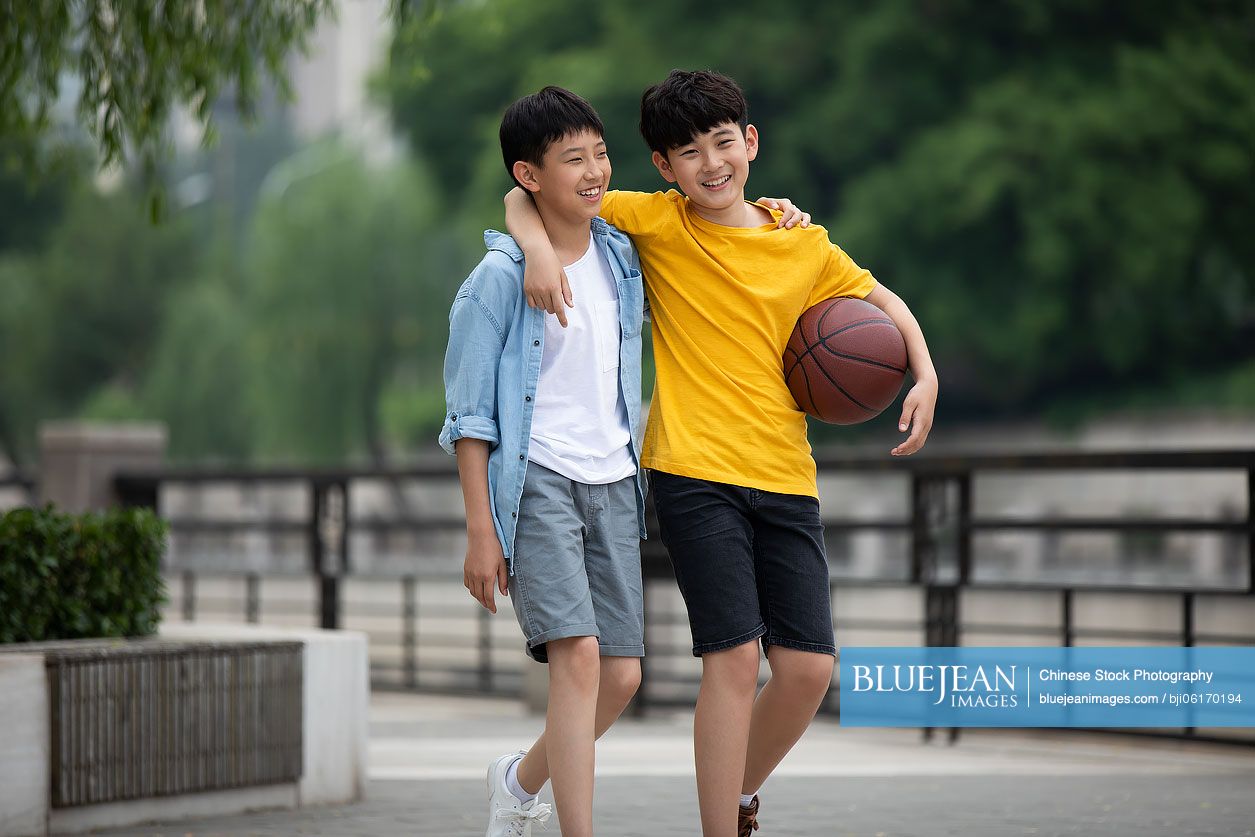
476 341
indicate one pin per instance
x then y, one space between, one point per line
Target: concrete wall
24 745
335 739
337 704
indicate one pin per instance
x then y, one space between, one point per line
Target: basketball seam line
843 390
823 340
832 381
788 373
858 359
843 329
854 324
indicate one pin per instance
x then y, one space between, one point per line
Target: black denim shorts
750 564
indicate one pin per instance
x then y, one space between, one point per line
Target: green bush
68 576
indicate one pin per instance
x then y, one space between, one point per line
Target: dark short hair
686 104
535 122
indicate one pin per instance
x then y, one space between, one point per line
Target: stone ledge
335 729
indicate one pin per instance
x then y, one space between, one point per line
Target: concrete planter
206 719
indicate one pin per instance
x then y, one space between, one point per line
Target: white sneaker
509 816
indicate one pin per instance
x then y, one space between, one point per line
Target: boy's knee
735 667
575 658
621 675
805 672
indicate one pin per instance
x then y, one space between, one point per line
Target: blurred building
329 86
331 82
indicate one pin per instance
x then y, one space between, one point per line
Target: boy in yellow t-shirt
731 468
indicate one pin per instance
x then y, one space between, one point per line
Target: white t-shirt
579 421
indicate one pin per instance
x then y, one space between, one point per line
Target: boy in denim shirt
545 423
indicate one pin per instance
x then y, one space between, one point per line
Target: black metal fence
941 570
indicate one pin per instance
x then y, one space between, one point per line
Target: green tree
1060 190
134 63
1072 222
345 263
30 208
18 387
198 377
82 315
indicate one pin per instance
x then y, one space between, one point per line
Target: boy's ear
751 142
664 168
525 173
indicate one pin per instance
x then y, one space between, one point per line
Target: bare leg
620 678
784 709
569 726
721 728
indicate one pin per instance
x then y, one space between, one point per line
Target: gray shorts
577 564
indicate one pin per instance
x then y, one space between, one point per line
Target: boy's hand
792 215
917 413
484 569
545 285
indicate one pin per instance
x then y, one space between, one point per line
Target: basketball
845 361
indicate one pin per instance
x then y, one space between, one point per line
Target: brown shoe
747 822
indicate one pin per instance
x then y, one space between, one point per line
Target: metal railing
940 526
143 718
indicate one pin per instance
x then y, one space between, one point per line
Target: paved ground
428 757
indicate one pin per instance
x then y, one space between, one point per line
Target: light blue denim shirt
492 366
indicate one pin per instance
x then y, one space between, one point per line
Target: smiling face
713 168
572 177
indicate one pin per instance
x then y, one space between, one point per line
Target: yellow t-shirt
723 302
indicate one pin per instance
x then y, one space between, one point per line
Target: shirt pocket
606 327
631 300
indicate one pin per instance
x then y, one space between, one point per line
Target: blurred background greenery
1063 191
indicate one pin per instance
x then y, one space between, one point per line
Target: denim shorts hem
722 645
799 645
621 650
564 632
536 645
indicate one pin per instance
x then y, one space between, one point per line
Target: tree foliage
134 63
1060 190
82 313
317 343
322 341
347 279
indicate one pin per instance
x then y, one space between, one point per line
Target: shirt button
521 457
514 514
527 398
535 342
454 416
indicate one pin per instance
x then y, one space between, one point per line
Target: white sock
512 782
747 799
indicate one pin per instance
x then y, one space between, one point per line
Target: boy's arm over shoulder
478 322
639 213
545 283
